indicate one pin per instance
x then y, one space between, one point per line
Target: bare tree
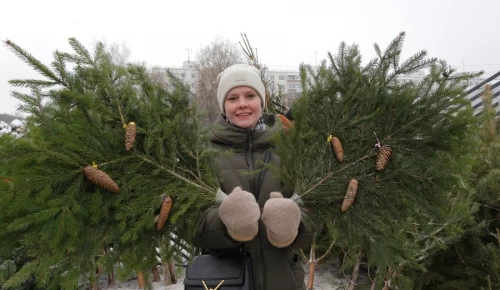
212 60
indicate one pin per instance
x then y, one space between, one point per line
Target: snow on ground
324 279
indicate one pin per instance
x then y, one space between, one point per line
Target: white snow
15 128
324 279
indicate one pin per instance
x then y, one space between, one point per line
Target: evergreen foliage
69 227
419 204
476 257
274 100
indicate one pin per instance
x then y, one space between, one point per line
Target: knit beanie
239 75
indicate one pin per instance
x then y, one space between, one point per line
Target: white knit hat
239 75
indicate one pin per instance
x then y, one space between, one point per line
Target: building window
281 87
183 75
193 75
293 77
282 78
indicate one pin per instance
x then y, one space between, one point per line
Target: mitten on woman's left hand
282 219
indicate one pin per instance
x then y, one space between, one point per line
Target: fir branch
208 189
116 160
331 174
304 255
404 126
22 275
24 83
34 63
378 51
59 65
327 251
194 175
81 51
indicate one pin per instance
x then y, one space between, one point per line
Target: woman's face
243 107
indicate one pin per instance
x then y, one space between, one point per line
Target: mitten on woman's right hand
240 213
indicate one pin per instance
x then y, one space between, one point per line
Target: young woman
257 215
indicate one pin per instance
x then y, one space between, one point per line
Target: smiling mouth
244 115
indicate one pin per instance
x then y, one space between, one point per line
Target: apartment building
288 81
188 72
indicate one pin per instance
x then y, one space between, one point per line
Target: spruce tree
61 204
394 218
474 261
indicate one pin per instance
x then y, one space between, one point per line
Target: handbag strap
262 174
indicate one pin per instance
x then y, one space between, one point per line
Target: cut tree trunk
355 273
140 280
312 262
310 279
98 272
166 274
156 274
173 276
111 278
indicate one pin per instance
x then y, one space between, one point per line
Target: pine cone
166 205
100 178
383 156
350 195
337 148
130 133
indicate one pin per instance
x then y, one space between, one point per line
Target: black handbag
224 272
229 271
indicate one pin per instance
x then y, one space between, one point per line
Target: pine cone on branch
383 156
350 195
337 147
130 132
166 205
100 178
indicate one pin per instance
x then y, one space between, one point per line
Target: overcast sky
286 33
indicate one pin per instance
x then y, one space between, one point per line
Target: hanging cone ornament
383 155
166 205
100 178
350 195
337 147
130 132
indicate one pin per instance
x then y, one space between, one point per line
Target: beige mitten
282 219
240 213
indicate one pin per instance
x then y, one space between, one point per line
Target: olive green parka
272 268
